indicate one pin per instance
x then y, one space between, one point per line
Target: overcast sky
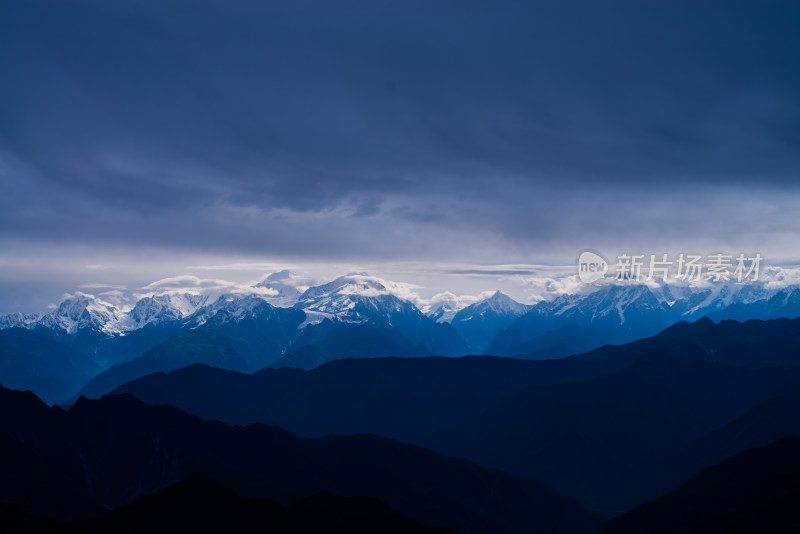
139 140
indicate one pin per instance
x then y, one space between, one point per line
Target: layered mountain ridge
281 322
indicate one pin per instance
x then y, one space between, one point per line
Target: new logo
591 267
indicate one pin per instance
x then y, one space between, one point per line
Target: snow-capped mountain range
355 297
361 298
87 312
620 312
280 322
358 297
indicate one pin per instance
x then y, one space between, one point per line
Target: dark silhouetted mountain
755 343
412 400
563 341
328 513
594 439
327 341
589 425
199 504
774 343
103 454
14 520
521 337
764 424
757 491
196 504
478 324
116 349
32 361
192 346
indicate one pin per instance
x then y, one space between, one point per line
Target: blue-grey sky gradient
377 131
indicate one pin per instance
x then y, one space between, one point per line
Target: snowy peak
82 311
671 302
164 308
694 302
230 308
479 323
443 307
363 299
630 299
355 297
502 304
349 284
609 303
497 305
17 319
282 285
359 297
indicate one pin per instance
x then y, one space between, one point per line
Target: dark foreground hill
409 399
604 441
199 504
757 491
601 427
108 453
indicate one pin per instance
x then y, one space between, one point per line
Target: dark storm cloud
393 128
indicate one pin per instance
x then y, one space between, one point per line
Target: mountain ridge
110 452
